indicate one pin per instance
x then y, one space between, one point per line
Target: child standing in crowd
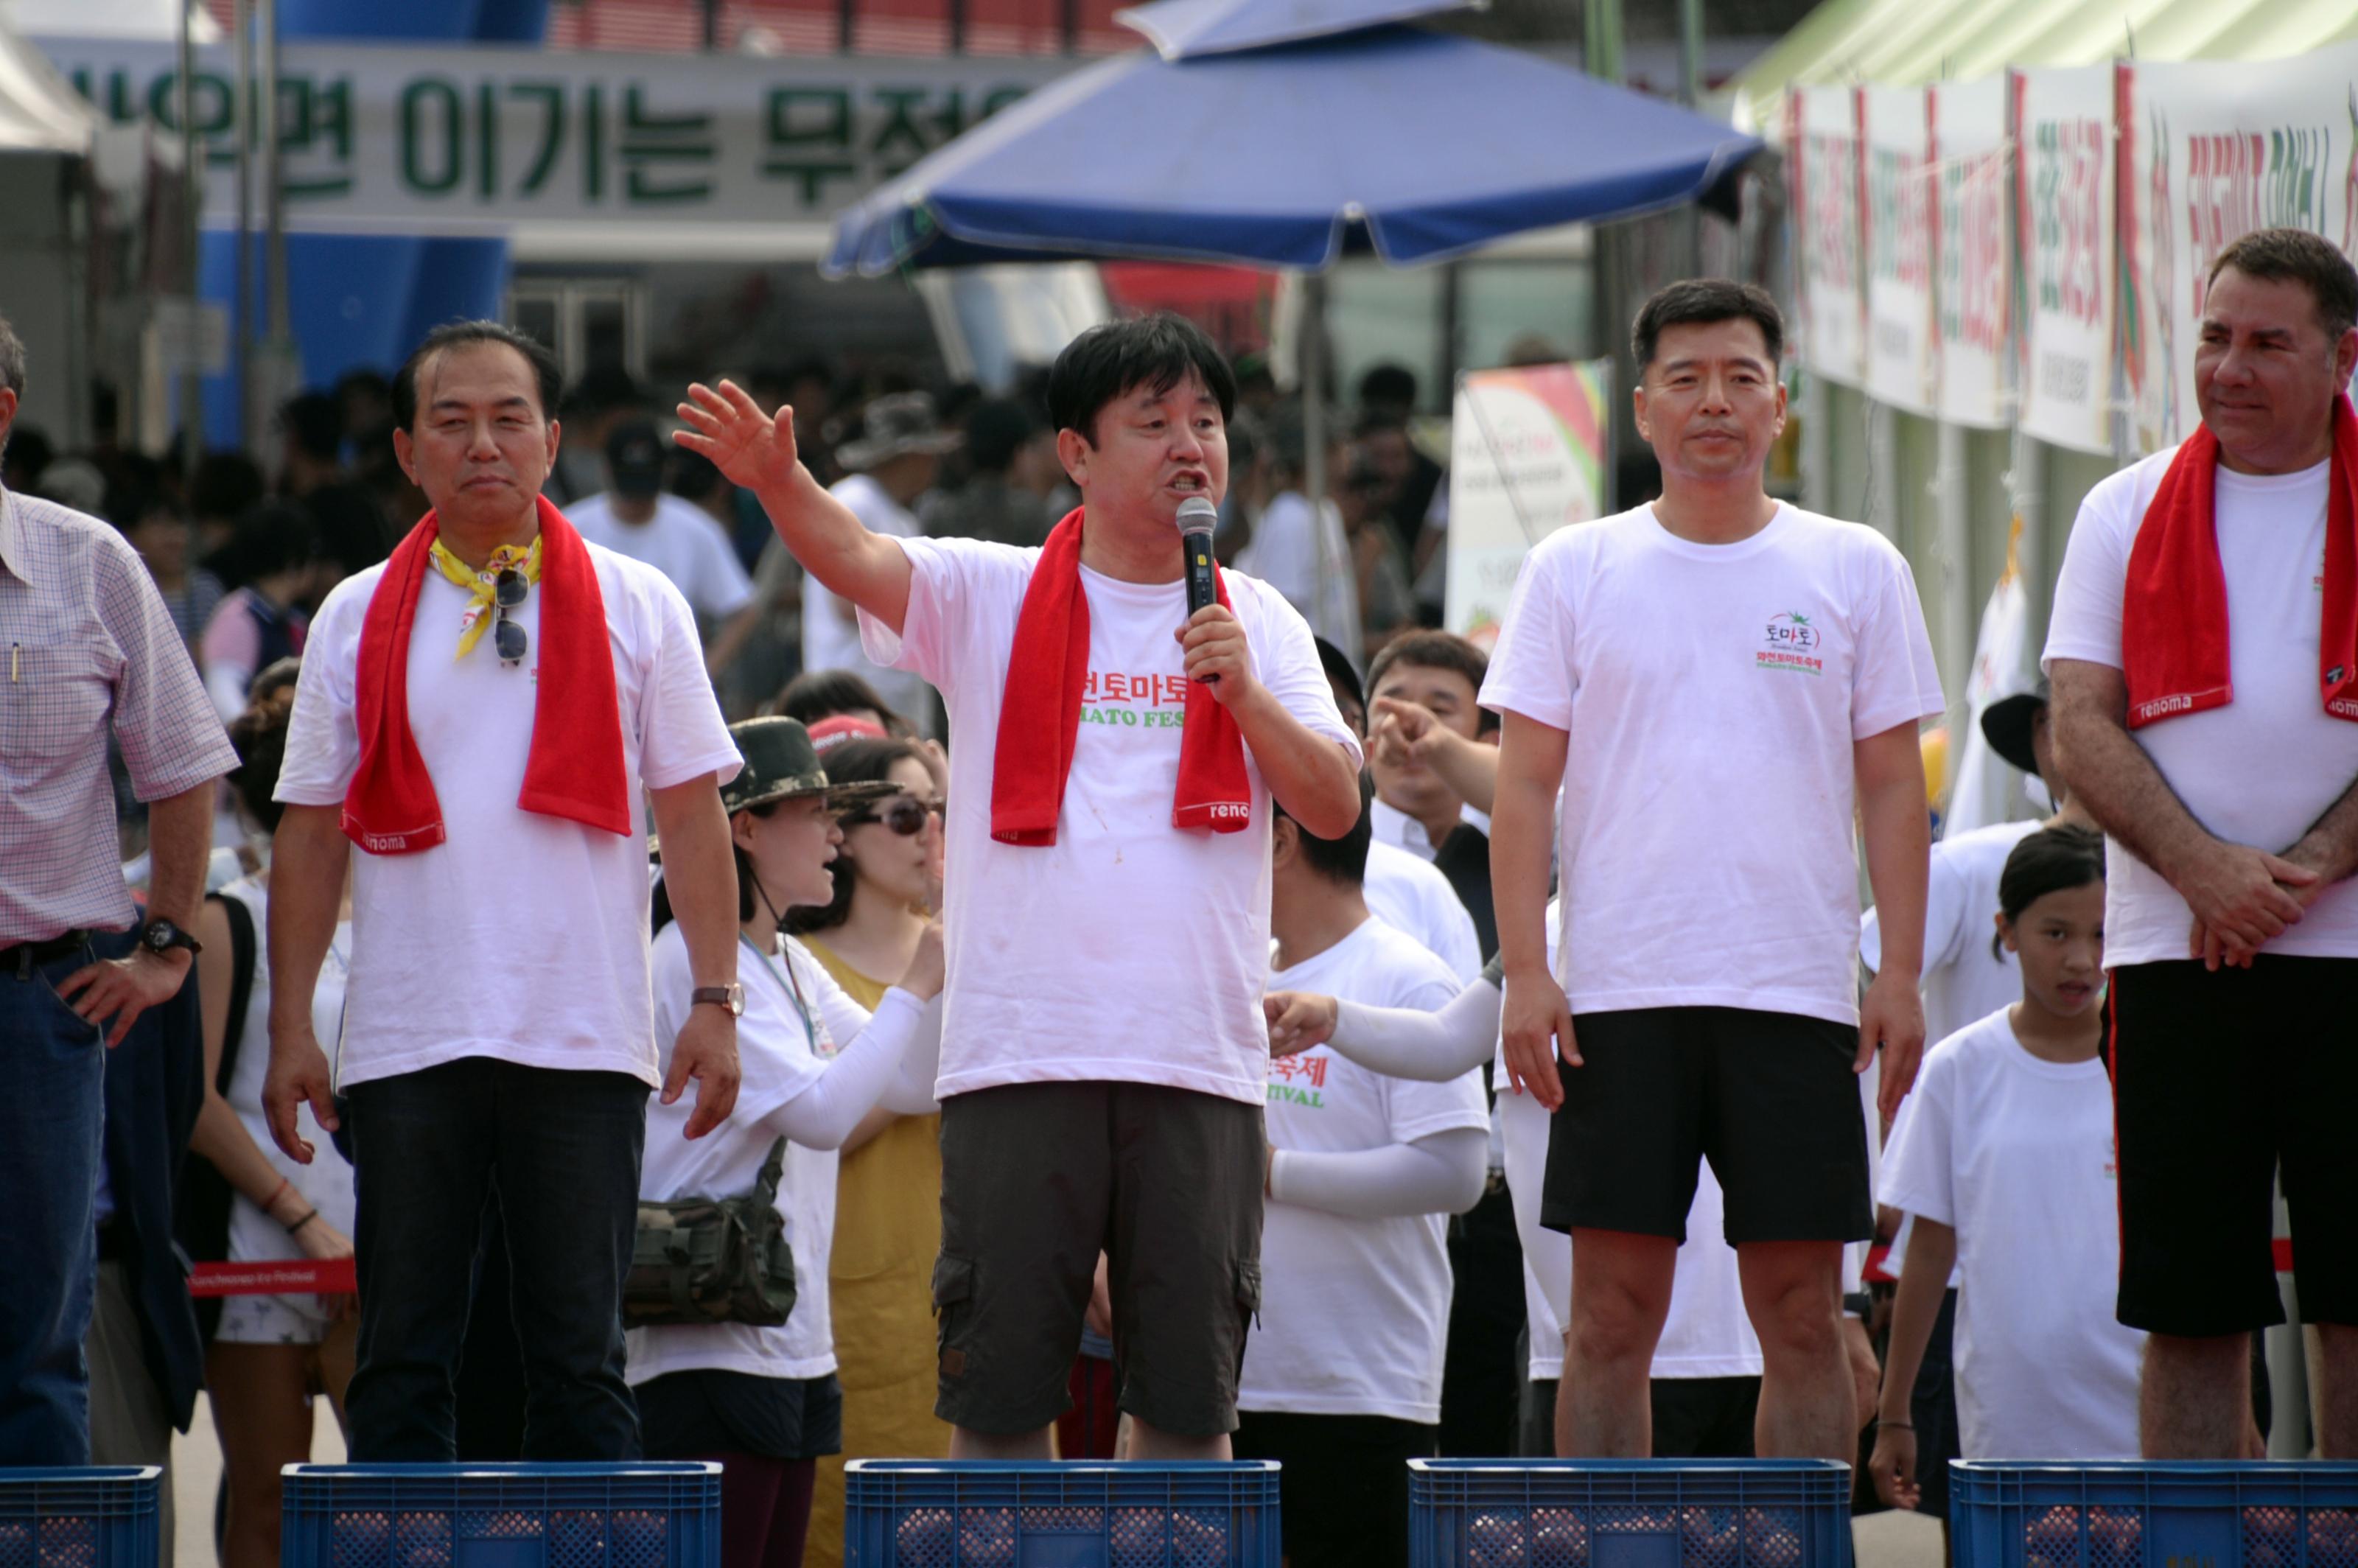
2004 1155
1342 1379
764 1401
888 1196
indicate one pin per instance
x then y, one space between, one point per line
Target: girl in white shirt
2004 1155
762 1401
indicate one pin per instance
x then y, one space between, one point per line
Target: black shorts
1343 1490
2219 1080
1038 1178
1768 1097
707 1410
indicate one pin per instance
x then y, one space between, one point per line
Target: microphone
1197 518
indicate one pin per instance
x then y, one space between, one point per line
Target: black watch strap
160 936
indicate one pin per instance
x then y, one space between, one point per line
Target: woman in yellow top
888 1217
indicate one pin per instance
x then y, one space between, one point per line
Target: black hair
745 868
2296 255
691 474
1437 651
1341 860
995 431
546 374
350 527
605 384
129 504
2053 860
847 762
814 694
28 453
1700 302
224 484
1388 383
1337 666
270 536
1108 362
315 422
367 379
258 735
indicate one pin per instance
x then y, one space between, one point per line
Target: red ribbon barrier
294 1276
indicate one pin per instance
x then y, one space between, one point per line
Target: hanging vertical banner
1827 222
2062 132
1971 286
1898 239
1527 456
2210 151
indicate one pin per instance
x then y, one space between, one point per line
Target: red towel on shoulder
575 767
1040 715
2174 646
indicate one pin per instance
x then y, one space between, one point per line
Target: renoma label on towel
472 141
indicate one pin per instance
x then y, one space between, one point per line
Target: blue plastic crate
501 1515
1629 1513
96 1517
2154 1514
921 1513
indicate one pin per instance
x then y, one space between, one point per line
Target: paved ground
1884 1540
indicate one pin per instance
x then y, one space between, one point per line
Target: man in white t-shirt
895 461
1298 549
674 535
1105 1060
2204 651
492 717
1341 1383
1713 682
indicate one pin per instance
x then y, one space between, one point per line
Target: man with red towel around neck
1104 1060
481 717
2204 656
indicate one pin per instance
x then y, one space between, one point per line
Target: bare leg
264 1424
2195 1401
1620 1295
968 1443
1792 1292
2337 1439
1149 1442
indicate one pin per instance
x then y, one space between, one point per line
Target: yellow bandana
482 587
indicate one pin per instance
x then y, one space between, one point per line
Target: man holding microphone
1112 847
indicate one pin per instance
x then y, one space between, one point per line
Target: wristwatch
731 996
160 936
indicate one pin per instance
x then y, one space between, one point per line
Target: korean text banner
2063 122
1527 456
2208 153
1900 361
1971 284
1823 137
472 141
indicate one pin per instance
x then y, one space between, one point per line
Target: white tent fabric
39 112
158 20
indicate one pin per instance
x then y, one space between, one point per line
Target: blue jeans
52 1119
430 1148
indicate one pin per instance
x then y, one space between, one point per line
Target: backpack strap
242 949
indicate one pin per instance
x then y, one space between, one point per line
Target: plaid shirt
85 637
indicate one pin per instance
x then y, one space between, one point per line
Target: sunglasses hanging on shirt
508 636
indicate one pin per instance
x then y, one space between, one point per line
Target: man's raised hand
1298 1021
754 449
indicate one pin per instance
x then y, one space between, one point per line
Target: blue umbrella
1184 29
1417 145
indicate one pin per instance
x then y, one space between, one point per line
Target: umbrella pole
1314 387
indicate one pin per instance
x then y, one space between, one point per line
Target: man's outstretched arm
757 451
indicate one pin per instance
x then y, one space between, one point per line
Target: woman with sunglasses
888 1198
815 1063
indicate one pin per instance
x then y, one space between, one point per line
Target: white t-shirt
1967 973
2265 767
1130 950
522 937
1707 1334
681 541
1713 694
778 1063
1303 556
2016 1154
1411 896
830 624
326 1183
1355 1313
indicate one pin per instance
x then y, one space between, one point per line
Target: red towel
2174 649
574 768
1046 674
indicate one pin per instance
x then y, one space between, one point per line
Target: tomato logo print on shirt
1134 702
1298 1071
1791 643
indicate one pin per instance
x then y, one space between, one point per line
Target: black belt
26 957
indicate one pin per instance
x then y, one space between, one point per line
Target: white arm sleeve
1428 1047
1442 1173
824 1114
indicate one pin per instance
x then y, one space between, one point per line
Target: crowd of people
905 982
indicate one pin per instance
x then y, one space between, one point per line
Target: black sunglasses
508 636
904 815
